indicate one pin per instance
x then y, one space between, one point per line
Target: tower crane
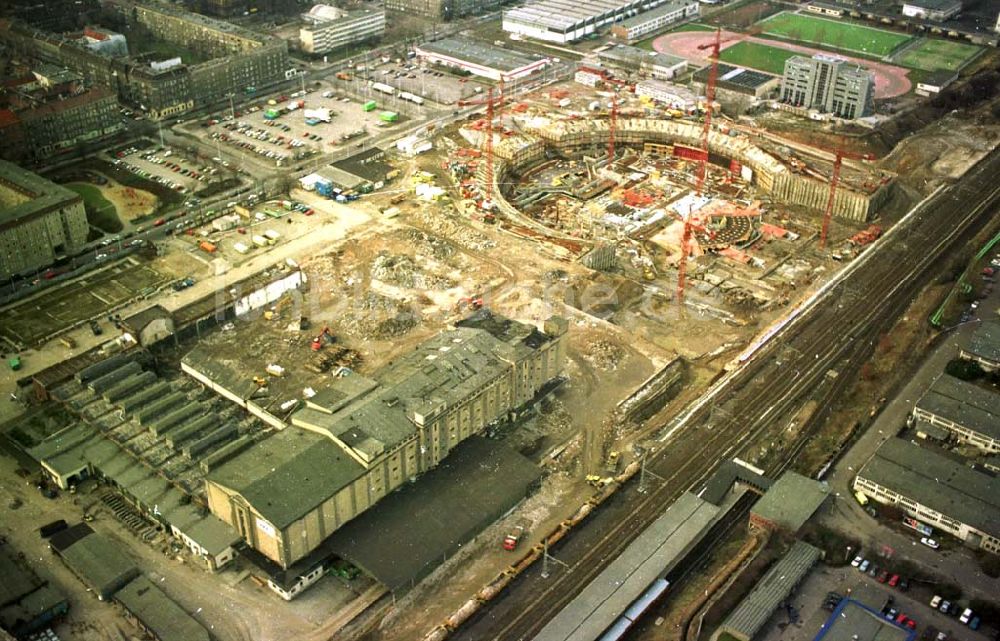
612 128
494 107
838 159
713 74
690 226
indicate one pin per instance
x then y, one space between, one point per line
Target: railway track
836 334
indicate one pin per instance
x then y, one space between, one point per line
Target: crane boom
612 127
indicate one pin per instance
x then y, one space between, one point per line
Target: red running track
890 81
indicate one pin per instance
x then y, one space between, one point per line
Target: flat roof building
829 84
443 9
39 221
649 23
637 570
984 346
480 58
358 439
769 593
329 28
739 80
789 503
27 603
94 559
933 488
935 82
933 10
968 413
857 618
565 21
157 614
634 60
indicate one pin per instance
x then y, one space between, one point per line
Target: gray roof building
158 614
789 502
645 560
903 473
856 619
480 58
358 439
95 560
984 345
969 412
769 593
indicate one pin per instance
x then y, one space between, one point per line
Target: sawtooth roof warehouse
570 20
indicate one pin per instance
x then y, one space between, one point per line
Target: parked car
945 606
974 623
894 580
966 615
883 576
864 565
857 561
935 602
929 542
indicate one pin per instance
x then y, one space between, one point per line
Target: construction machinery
324 338
471 302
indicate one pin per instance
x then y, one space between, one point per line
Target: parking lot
909 609
168 169
286 138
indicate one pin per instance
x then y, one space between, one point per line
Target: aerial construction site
442 374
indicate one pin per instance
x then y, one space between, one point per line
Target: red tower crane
713 74
612 129
689 226
494 107
839 154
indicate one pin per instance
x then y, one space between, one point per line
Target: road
837 333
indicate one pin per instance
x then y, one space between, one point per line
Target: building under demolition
356 439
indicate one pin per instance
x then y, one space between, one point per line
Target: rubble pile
400 270
460 234
437 247
375 316
605 355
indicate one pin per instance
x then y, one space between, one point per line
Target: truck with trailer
381 87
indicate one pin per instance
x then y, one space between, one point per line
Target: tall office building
829 84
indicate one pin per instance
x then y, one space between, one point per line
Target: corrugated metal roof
769 593
647 558
964 403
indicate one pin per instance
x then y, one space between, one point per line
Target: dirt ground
129 202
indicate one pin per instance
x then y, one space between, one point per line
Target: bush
949 591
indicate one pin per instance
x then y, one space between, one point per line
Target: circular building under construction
569 158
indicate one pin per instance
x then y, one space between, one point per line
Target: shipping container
272 235
260 241
206 246
241 248
388 116
371 105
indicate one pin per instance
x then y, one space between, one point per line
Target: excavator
325 337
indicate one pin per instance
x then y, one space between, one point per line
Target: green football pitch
843 36
934 55
757 56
